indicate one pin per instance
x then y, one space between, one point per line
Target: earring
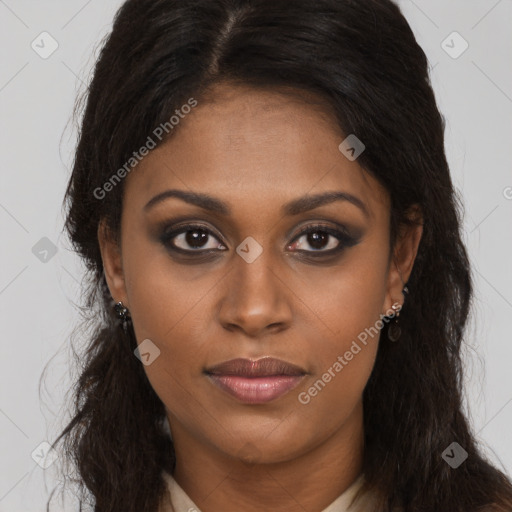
394 329
123 314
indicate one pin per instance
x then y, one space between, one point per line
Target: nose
256 298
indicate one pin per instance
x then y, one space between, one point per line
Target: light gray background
474 92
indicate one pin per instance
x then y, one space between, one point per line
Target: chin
259 451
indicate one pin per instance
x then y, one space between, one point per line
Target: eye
322 239
192 238
196 238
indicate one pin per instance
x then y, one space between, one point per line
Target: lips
257 381
265 367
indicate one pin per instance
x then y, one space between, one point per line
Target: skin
257 150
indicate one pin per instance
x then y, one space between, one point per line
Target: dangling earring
123 314
394 329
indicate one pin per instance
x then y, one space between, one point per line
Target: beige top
178 501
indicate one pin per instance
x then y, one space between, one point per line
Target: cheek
168 305
347 304
347 299
170 309
164 297
343 358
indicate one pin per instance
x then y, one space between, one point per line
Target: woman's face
246 282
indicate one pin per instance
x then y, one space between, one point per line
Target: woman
279 289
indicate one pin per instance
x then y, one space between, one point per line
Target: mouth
256 382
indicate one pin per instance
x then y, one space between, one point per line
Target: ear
112 263
403 257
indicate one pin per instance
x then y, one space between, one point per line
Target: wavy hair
361 58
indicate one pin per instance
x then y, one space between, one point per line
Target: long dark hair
361 58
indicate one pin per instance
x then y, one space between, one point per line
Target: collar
177 499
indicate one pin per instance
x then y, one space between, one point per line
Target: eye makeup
195 240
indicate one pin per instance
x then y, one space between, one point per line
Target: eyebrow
295 207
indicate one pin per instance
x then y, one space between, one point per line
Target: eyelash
345 240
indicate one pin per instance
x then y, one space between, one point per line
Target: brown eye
322 239
192 238
317 240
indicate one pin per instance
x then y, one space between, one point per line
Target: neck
312 480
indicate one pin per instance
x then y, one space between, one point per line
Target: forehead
254 145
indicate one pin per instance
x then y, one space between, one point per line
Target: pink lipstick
256 382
